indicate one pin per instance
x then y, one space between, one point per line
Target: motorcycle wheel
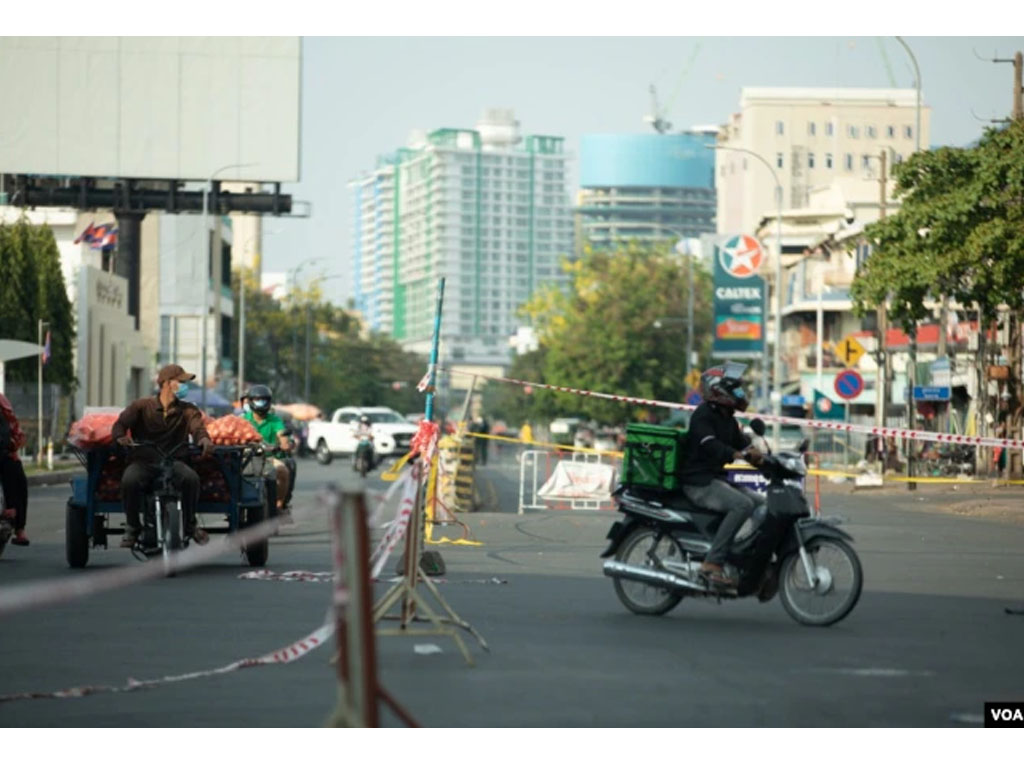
645 599
840 580
323 453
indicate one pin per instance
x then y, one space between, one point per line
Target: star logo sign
741 256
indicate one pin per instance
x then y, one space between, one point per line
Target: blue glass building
646 186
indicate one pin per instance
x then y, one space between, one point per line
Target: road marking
883 672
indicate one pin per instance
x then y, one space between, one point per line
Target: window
865 162
829 129
810 159
899 159
848 161
908 132
812 129
870 132
778 160
890 131
852 132
828 159
780 128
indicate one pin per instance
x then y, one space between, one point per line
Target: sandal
129 539
200 537
20 540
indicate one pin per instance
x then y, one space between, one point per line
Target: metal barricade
537 466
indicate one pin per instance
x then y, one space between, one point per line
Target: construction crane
658 119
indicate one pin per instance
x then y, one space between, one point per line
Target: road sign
849 384
693 398
693 378
849 350
931 393
793 400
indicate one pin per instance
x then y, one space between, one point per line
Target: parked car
392 434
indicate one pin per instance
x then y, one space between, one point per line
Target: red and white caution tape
408 483
285 655
911 434
266 575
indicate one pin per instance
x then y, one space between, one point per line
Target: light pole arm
917 83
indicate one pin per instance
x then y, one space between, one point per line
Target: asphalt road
927 644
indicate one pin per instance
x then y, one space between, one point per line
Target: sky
362 97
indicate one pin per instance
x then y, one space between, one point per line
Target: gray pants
738 504
138 478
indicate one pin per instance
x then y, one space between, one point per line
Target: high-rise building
483 207
809 136
646 186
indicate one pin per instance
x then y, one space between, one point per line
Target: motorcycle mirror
758 426
804 445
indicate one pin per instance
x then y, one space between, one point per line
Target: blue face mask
182 390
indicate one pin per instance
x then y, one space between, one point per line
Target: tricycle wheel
76 540
256 553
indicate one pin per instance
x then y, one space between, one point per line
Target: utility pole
881 356
1018 86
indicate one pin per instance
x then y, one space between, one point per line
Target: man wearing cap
167 421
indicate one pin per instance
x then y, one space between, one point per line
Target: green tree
600 335
959 232
32 288
347 366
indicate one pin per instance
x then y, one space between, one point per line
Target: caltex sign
739 298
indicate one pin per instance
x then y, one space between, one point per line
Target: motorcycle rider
259 413
168 421
364 431
714 440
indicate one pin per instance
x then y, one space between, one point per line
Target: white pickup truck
392 434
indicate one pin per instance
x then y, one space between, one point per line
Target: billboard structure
151 107
739 298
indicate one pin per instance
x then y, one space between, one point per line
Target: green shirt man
269 427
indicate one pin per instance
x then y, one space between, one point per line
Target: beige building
810 137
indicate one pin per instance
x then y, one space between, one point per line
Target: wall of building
799 132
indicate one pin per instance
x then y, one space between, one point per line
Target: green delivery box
654 456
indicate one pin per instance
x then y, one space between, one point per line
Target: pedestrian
481 427
526 433
12 473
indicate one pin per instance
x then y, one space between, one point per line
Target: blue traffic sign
849 384
794 400
693 398
931 393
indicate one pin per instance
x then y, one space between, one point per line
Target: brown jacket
148 421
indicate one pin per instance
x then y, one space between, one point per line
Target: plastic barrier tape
911 434
285 655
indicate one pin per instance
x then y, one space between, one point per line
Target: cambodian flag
46 349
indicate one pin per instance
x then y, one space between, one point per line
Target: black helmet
260 398
723 385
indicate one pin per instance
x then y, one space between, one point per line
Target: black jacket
713 440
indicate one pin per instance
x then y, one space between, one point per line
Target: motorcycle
657 550
363 462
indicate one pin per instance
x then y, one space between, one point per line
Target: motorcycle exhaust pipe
650 576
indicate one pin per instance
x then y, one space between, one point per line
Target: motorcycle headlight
794 463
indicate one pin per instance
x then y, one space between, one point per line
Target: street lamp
241 311
912 365
209 261
689 292
777 360
917 83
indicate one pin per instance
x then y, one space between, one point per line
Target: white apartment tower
810 137
485 208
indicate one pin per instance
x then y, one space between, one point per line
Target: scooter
658 548
364 455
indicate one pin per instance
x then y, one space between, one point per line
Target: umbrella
213 399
